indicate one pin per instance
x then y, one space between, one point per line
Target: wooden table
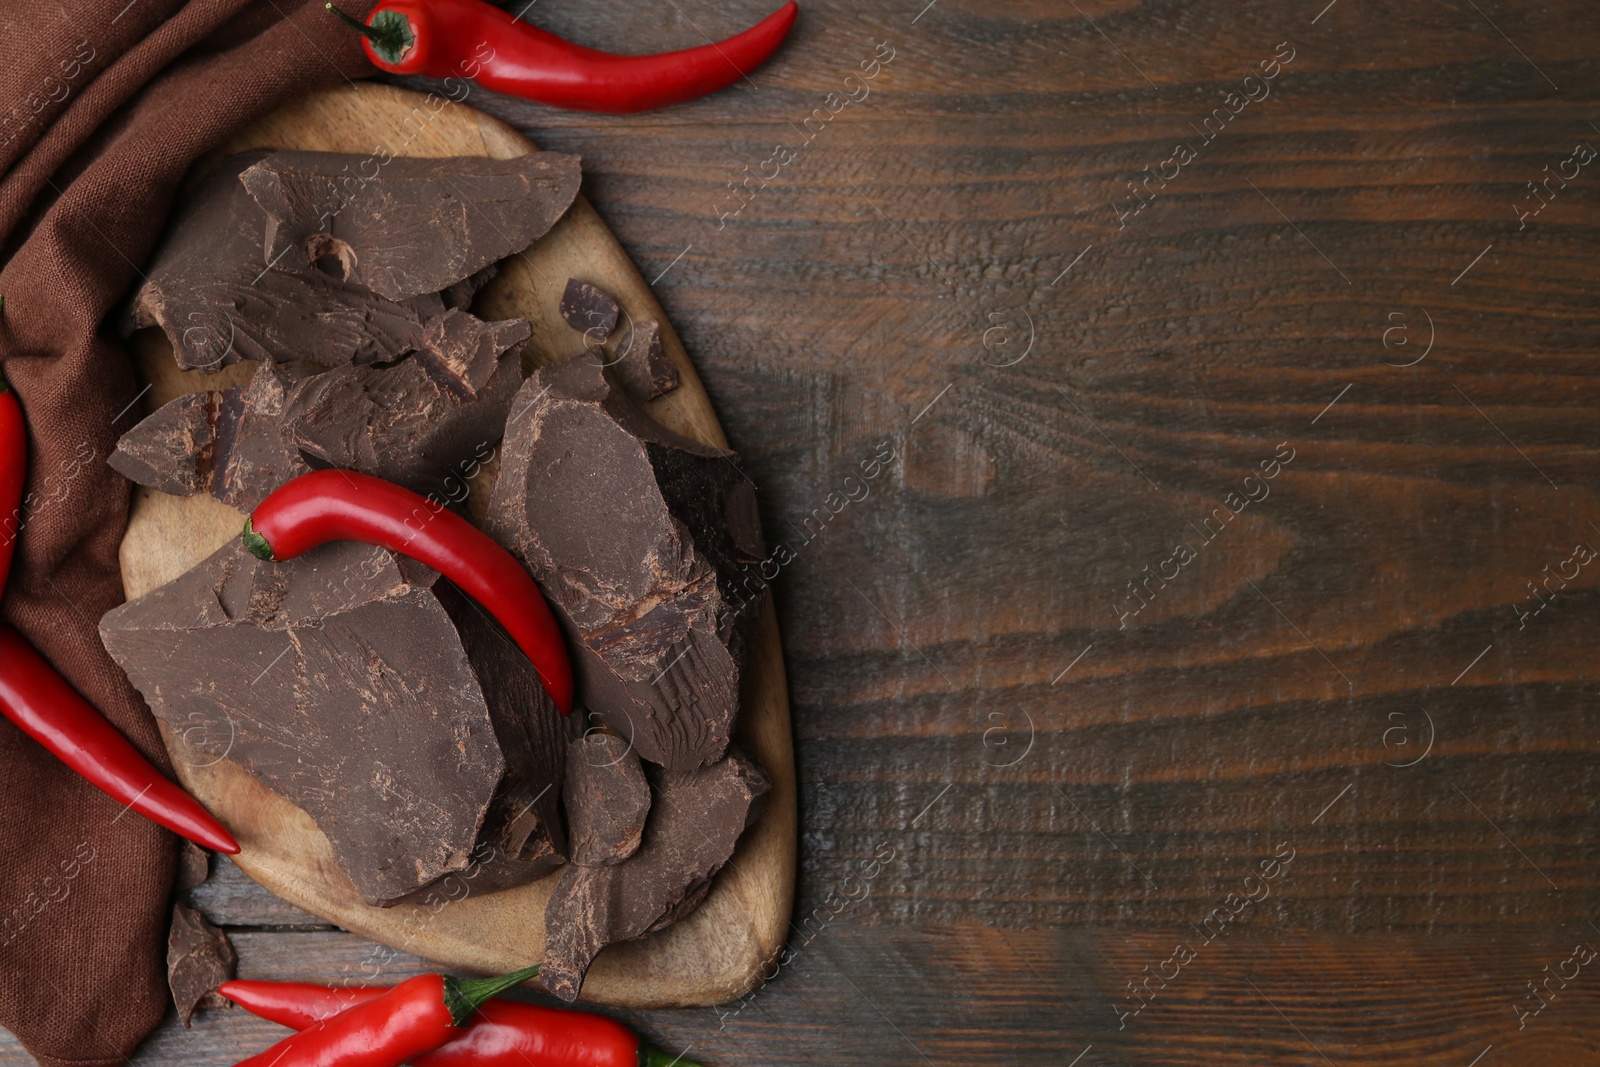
1073 668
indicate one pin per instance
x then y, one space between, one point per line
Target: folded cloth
110 101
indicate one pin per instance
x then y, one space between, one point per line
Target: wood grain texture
1182 348
717 952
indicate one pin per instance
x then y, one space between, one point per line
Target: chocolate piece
642 363
590 310
251 457
367 690
423 420
194 867
199 959
419 422
695 821
210 291
637 536
173 448
607 799
228 442
413 226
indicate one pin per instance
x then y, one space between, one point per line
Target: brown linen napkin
110 101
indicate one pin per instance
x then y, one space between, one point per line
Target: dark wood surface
1067 790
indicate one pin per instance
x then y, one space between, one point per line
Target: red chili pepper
50 711
13 472
341 505
399 1025
473 39
506 1033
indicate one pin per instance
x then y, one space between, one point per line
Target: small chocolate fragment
173 448
642 364
210 291
364 688
251 457
194 867
637 536
695 822
415 225
607 799
590 310
199 959
421 422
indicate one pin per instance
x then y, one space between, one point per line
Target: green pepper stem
360 27
464 996
650 1056
389 32
256 543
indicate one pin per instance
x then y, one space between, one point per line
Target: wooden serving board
717 953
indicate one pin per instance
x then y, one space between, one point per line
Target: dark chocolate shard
427 422
638 537
367 690
421 423
251 457
211 292
411 227
695 821
173 448
642 363
607 799
194 867
590 310
199 959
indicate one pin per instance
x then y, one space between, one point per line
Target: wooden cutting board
717 953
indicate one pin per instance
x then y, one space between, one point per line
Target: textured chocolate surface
368 691
606 799
431 417
210 290
642 364
590 310
199 959
695 820
409 226
636 535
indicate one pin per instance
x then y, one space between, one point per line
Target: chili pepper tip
256 543
464 996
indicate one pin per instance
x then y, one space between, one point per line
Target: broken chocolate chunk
607 799
642 363
211 292
251 457
362 687
637 536
422 422
414 226
174 448
695 821
199 959
590 310
194 867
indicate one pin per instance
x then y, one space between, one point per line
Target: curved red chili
395 1027
473 39
50 711
341 505
506 1033
13 473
